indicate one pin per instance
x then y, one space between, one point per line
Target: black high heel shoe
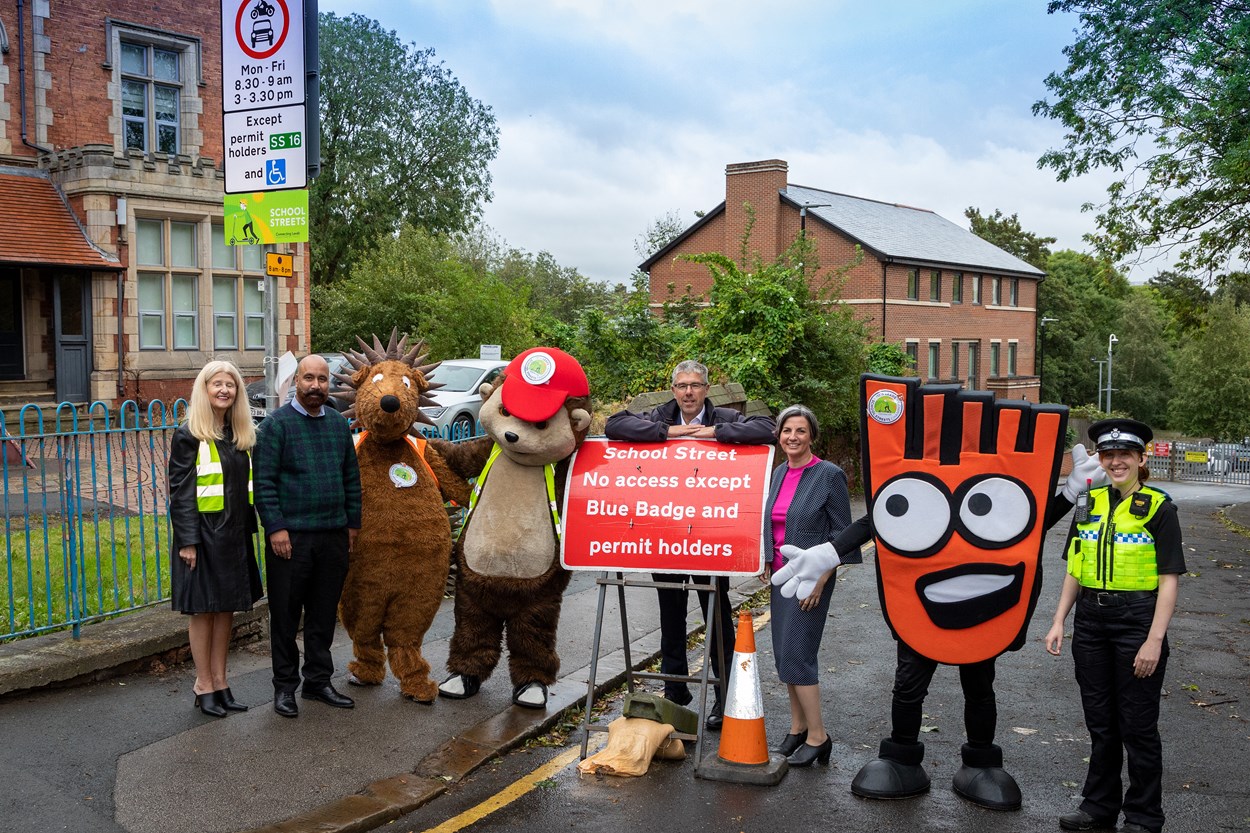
791 743
806 754
208 704
226 700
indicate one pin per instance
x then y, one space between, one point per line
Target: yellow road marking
508 795
527 783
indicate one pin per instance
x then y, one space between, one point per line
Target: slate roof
900 232
888 231
37 226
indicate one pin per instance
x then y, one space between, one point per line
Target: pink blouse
781 505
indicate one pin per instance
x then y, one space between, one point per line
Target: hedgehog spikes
396 350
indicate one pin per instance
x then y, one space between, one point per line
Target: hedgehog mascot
399 565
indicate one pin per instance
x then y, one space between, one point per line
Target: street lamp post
1100 363
803 228
1111 342
1041 351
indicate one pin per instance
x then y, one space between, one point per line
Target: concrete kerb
390 798
136 640
109 648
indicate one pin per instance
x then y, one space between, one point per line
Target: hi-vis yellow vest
549 474
1115 551
210 488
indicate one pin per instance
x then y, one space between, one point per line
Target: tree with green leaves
1085 297
402 142
1143 360
1158 91
414 281
1212 384
659 233
1007 234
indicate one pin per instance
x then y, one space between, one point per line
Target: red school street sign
683 506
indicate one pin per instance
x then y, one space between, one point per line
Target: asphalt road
129 753
1206 737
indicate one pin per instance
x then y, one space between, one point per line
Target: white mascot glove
1085 470
803 569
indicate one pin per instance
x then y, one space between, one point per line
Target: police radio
1082 503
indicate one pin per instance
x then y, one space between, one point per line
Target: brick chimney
757 183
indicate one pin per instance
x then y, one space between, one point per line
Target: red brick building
963 308
115 280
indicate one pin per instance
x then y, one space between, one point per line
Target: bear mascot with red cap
509 582
960 491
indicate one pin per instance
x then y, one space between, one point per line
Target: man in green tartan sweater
307 487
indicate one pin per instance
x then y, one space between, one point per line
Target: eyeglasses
685 386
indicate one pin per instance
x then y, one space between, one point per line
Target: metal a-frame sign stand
619 581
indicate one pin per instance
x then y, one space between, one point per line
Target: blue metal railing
85 512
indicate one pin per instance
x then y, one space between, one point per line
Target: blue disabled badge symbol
275 171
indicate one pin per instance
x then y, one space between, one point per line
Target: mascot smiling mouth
970 594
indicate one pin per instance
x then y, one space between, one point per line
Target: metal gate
1208 462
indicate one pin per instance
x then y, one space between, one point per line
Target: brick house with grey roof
964 309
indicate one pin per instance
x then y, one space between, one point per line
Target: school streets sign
688 506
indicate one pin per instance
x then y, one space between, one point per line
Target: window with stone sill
238 280
151 89
168 283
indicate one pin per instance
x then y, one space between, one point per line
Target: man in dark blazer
690 416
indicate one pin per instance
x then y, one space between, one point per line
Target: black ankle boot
208 704
807 754
791 743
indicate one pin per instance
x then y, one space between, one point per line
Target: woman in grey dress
808 505
213 567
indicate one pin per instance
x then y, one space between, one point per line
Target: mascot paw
460 686
425 701
990 787
896 774
352 679
983 781
889 779
530 695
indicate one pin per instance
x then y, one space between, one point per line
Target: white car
455 415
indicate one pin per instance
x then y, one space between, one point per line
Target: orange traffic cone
743 756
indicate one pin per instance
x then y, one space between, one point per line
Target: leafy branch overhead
1158 91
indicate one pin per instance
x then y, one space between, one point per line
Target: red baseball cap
539 380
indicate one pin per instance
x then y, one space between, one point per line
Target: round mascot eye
995 511
911 515
407 382
376 378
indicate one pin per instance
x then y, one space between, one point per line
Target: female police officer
1124 556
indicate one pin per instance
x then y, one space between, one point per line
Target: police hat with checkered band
1120 433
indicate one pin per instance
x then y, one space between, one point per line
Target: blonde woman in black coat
213 567
808 505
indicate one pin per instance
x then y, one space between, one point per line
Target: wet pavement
129 753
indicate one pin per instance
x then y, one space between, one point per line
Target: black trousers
673 631
307 584
911 684
1121 710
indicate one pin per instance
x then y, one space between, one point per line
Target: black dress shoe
716 718
791 743
326 694
807 754
1081 820
285 705
208 704
681 697
226 700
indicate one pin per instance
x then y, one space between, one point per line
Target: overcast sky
613 114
